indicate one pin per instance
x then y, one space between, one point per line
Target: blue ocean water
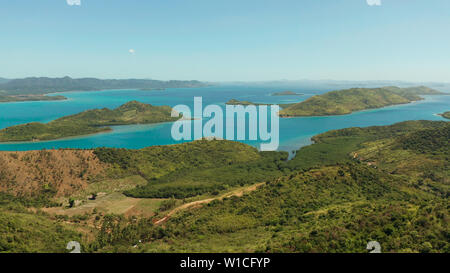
294 132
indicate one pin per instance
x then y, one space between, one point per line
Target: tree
71 202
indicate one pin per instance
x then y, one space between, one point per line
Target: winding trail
238 193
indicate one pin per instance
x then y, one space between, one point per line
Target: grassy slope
347 101
88 122
28 232
44 85
24 231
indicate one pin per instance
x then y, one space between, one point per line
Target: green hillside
356 99
364 192
416 90
384 183
88 122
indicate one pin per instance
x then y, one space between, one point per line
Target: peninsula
287 93
356 99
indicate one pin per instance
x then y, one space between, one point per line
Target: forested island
287 93
242 102
18 98
348 188
356 99
88 122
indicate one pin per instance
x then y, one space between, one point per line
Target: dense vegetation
88 122
4 98
206 166
347 101
24 231
384 183
359 194
47 85
242 102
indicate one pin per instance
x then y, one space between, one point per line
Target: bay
294 132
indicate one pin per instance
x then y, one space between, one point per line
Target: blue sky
232 40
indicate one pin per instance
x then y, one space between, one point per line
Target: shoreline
111 130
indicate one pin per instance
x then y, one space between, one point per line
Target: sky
227 40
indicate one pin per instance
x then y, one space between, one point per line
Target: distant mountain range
3 80
343 84
45 85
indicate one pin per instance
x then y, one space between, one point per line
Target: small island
446 115
344 102
287 93
247 103
243 102
88 122
18 98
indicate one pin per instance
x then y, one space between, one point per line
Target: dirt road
238 193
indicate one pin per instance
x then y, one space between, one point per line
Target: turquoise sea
294 132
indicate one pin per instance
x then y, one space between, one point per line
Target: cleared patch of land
112 203
48 172
242 102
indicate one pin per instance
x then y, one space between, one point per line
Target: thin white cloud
374 2
132 51
74 2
